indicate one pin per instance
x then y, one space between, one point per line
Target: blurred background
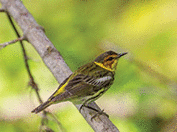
143 96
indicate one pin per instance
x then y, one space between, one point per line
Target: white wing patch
99 80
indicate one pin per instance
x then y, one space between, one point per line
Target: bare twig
44 123
32 82
11 42
56 120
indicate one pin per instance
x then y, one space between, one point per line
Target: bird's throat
102 66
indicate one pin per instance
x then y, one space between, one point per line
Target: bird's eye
110 58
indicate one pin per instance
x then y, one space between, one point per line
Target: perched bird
87 83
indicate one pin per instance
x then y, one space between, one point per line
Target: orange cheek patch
108 63
103 66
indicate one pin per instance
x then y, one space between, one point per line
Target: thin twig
32 82
44 121
11 42
55 118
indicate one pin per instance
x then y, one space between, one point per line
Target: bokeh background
143 97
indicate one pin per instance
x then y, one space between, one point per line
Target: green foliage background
143 97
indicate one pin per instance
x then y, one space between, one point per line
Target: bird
87 83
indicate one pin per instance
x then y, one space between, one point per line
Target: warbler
87 83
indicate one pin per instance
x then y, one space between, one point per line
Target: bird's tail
42 107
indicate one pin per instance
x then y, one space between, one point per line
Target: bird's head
108 60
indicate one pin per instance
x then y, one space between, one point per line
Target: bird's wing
80 85
83 85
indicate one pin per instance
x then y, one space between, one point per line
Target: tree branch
32 82
51 57
11 42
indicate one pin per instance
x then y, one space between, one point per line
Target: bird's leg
91 99
99 113
89 107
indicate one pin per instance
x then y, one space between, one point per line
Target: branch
51 57
32 82
11 42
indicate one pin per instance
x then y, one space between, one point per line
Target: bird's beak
122 54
